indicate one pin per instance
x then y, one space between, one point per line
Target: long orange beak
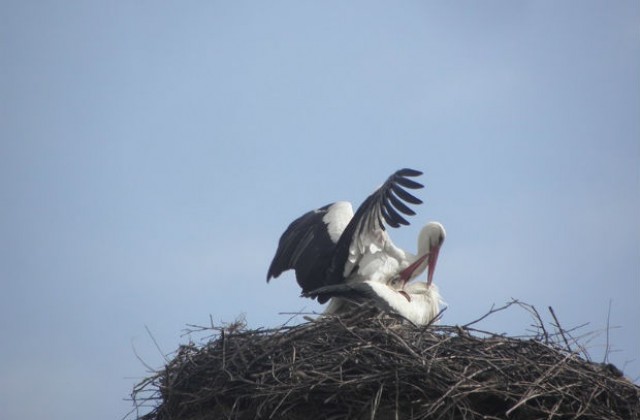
433 259
405 275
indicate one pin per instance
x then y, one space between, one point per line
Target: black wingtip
316 294
410 198
391 205
323 292
408 172
272 273
408 183
401 177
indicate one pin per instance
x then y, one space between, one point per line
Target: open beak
433 259
405 275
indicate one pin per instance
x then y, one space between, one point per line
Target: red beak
432 264
405 275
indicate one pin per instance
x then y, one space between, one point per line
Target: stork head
429 242
431 236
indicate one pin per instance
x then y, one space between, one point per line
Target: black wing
359 292
307 247
383 206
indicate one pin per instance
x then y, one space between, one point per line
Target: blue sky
153 152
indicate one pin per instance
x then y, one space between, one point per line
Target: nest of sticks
362 366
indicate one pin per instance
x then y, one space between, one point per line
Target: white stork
332 246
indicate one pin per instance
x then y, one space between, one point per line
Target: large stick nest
359 367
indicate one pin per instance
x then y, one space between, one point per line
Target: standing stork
332 246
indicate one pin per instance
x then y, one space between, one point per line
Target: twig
607 348
491 311
156 344
566 342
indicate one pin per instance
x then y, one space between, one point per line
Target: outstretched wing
308 244
365 233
